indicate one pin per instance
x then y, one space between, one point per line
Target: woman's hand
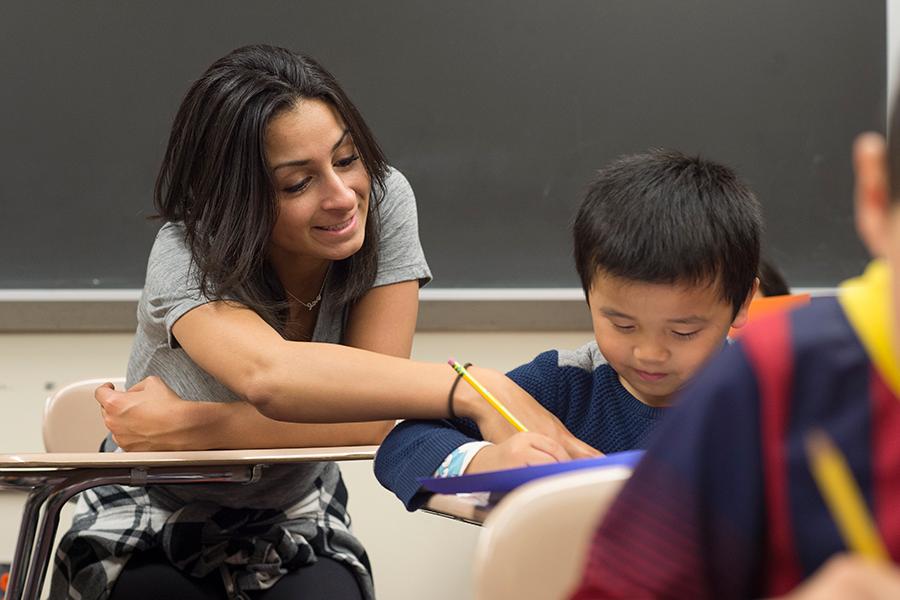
850 576
536 418
148 417
520 450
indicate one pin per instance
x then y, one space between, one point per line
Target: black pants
149 575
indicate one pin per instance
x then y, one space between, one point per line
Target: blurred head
667 248
261 132
877 196
771 281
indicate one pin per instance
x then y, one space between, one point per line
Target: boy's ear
872 194
741 318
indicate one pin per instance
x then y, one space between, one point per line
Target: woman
282 286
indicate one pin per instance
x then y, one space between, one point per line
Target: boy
741 515
667 249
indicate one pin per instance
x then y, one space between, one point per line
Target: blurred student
771 281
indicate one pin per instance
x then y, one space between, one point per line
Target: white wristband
458 461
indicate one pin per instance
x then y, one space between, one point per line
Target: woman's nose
338 194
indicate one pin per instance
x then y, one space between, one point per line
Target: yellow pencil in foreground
843 497
498 406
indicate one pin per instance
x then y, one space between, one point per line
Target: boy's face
656 336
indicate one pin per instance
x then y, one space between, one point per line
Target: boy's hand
148 417
850 576
520 450
494 428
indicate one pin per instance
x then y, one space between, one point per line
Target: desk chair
72 421
534 542
52 479
766 305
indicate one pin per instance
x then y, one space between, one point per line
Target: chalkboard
497 111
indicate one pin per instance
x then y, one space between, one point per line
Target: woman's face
321 184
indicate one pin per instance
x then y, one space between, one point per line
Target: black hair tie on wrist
453 389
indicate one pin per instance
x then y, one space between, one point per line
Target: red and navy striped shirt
723 505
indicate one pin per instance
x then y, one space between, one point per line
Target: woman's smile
339 229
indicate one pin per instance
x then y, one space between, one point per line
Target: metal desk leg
40 558
62 491
25 542
53 489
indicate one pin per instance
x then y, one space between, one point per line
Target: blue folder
509 479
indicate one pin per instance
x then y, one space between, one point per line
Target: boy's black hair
663 217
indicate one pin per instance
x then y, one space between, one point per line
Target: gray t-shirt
171 290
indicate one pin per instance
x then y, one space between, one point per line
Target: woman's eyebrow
300 163
340 141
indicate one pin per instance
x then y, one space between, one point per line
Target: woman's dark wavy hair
214 177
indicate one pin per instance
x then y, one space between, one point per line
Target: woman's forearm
239 425
308 382
312 382
152 417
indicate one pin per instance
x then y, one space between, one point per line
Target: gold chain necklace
312 303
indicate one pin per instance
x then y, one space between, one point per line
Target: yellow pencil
842 496
487 395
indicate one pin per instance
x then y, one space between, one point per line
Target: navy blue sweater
579 387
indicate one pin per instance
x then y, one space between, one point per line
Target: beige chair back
533 544
72 420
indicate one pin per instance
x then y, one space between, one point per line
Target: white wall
414 556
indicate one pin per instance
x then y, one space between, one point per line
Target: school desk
51 479
474 505
467 508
